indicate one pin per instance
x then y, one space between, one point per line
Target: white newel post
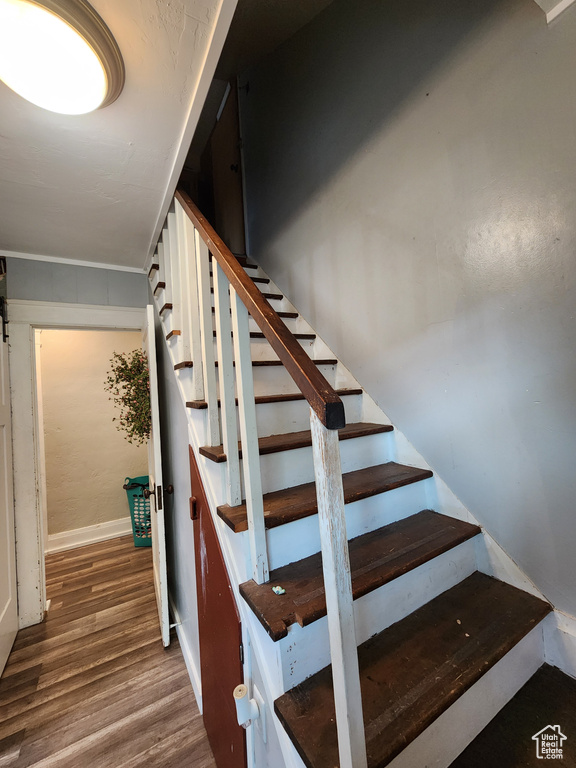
249 438
339 602
207 333
226 379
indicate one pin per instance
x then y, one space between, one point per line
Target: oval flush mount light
59 54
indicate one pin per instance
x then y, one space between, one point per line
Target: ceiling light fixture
59 54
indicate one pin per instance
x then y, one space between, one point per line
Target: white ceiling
94 187
91 187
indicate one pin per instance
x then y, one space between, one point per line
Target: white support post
192 292
249 438
189 292
176 315
207 334
167 266
338 588
226 379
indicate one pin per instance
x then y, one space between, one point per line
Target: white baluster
161 267
338 588
210 394
189 293
167 267
191 329
226 379
249 438
176 284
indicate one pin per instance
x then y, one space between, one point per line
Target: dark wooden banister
317 391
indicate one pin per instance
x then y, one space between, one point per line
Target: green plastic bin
139 510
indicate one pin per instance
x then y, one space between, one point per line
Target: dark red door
220 635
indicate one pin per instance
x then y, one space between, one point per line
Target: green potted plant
129 386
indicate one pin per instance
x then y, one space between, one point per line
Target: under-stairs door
8 599
220 634
156 484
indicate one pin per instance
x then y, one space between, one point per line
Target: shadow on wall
328 90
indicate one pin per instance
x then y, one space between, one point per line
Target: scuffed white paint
24 316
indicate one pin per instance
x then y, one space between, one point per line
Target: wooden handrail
317 391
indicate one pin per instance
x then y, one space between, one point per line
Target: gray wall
72 284
411 185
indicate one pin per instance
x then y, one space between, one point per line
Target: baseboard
191 666
560 642
91 534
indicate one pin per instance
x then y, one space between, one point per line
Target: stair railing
191 240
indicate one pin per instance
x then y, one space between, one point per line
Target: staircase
442 641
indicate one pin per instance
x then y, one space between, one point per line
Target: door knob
169 489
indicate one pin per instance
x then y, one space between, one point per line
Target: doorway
82 458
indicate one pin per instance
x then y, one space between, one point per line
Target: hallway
92 685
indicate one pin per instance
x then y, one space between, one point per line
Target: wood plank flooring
92 685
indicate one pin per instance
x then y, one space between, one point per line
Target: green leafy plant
129 385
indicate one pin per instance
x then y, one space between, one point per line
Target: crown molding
71 262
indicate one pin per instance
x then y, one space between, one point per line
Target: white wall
87 458
411 182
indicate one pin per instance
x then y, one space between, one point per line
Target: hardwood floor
92 685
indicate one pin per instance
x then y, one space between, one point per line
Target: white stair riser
306 650
441 743
301 538
260 349
268 380
289 468
293 416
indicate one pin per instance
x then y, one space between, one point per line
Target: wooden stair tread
376 558
160 285
261 280
263 399
414 670
165 307
292 440
290 315
290 504
260 335
274 296
506 742
153 268
257 363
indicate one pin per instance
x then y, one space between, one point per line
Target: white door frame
25 317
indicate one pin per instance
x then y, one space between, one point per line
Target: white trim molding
71 262
553 8
25 316
90 534
47 314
